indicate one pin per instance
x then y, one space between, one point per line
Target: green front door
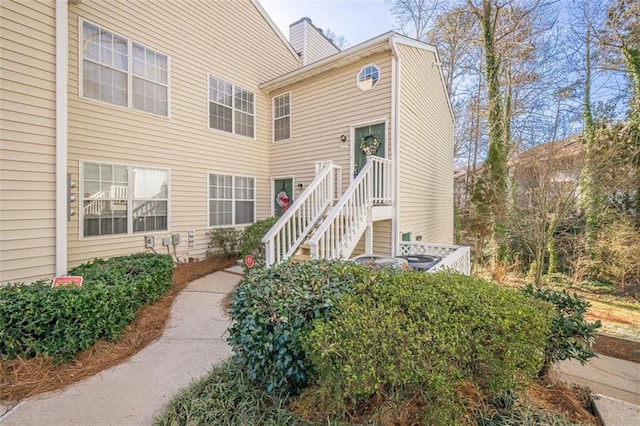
369 138
283 195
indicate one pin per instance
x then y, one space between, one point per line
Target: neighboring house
553 167
548 171
133 126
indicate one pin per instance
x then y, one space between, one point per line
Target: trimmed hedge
428 334
273 308
36 320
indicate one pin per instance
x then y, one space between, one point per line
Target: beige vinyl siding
317 46
27 135
426 149
322 109
381 240
200 38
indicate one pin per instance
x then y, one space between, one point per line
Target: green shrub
430 332
224 241
252 239
272 310
36 320
571 335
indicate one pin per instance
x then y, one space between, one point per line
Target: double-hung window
231 108
231 200
121 199
282 117
119 71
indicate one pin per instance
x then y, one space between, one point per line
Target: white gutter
61 197
395 137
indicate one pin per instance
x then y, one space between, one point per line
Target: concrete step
614 412
301 257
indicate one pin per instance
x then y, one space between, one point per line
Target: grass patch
227 396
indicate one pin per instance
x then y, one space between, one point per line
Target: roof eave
337 60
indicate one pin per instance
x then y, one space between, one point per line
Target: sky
357 20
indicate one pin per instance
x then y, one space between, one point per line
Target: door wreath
283 199
369 145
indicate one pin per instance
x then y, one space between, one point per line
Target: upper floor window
122 72
231 108
282 117
121 199
368 77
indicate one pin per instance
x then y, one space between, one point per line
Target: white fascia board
332 62
406 41
275 28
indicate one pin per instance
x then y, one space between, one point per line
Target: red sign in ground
249 261
66 281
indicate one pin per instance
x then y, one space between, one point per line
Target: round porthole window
368 77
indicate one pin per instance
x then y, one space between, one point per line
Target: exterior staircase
321 226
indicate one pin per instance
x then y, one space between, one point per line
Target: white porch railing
456 258
117 193
341 230
294 225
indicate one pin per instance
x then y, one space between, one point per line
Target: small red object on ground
249 261
66 281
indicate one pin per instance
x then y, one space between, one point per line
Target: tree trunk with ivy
592 196
494 175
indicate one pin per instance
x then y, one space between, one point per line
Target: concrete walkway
134 392
615 382
615 378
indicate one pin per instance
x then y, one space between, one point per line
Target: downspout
61 105
395 139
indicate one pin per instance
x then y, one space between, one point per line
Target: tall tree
339 40
622 35
490 192
414 17
592 194
454 34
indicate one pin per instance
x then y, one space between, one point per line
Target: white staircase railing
99 201
346 222
284 238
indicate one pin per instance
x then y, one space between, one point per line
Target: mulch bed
628 350
21 378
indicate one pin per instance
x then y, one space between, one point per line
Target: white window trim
407 231
130 42
233 109
129 202
273 122
233 200
377 82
